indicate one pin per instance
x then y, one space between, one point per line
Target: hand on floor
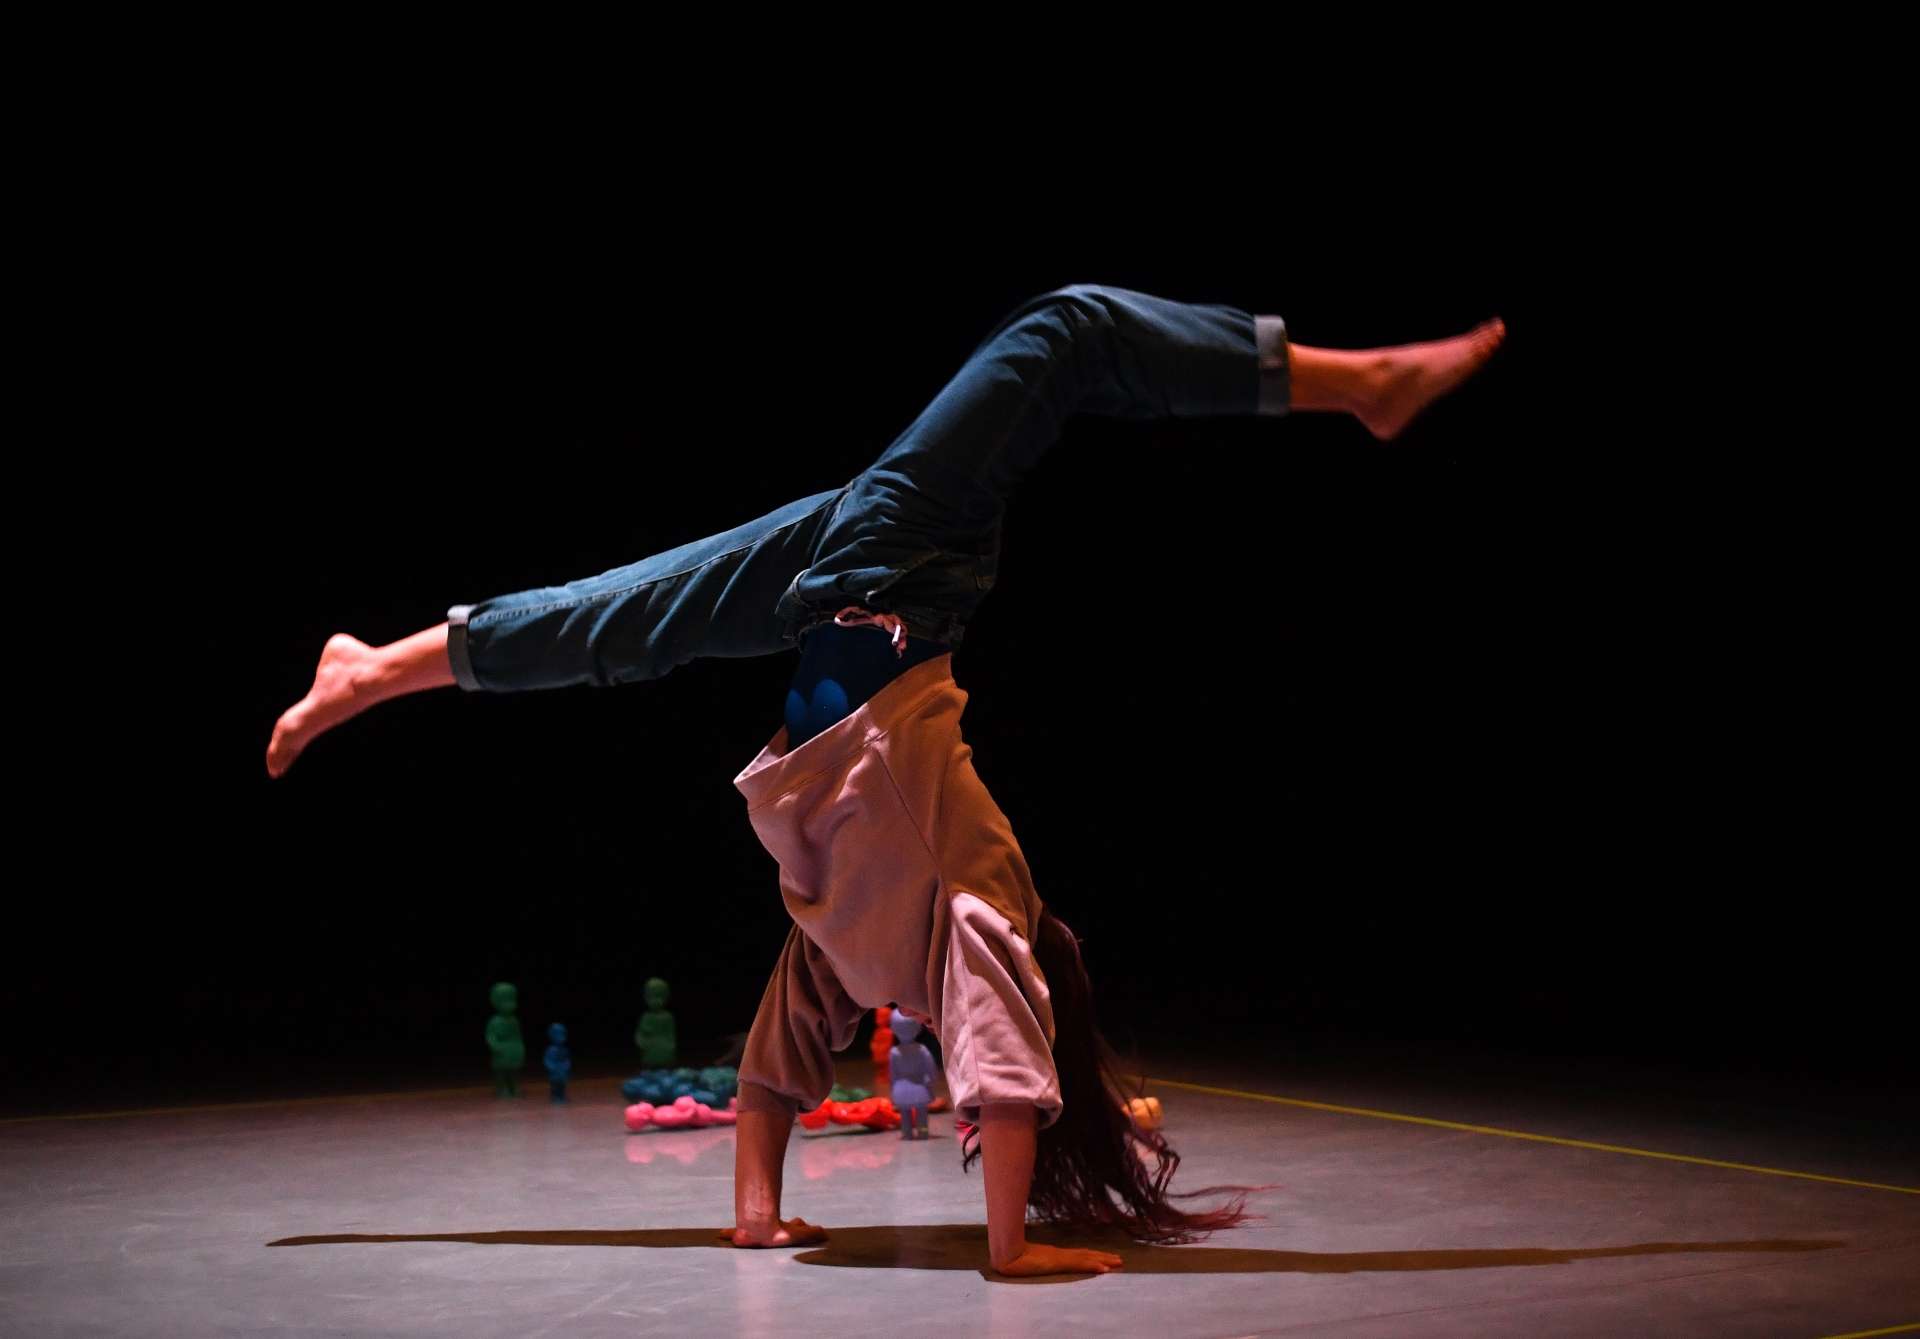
793 1232
1038 1259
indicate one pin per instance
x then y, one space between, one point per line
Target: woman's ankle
410 665
1331 380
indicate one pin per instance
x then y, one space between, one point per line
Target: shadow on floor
964 1246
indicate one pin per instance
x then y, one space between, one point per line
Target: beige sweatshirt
906 886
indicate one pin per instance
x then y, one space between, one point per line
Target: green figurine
654 1036
503 1039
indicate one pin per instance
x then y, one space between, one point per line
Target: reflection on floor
362 1216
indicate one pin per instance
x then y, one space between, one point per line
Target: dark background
1540 731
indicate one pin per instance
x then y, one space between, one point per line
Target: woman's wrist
756 1204
1007 1156
1003 1256
759 1157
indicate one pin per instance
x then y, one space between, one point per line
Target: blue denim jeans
917 533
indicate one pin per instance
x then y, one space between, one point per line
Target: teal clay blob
711 1086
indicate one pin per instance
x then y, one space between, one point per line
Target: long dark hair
1090 1166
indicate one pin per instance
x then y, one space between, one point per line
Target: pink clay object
685 1113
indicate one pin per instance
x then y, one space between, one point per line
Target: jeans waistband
929 625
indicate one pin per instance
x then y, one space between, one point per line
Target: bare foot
1403 380
339 693
793 1232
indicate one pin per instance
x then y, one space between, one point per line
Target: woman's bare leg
353 676
1386 388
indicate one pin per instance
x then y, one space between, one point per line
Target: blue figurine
559 1062
911 1065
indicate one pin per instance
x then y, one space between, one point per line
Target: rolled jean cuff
457 653
1276 365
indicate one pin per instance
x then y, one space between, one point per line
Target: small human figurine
654 1035
911 1065
559 1062
881 1045
503 1039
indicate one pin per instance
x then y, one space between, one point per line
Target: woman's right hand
1037 1259
793 1232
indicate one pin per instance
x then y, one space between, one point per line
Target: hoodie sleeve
996 1016
805 1016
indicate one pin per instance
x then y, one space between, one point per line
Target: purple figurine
911 1065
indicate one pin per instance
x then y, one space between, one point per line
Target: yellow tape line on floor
1536 1138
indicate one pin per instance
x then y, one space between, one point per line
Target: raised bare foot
1403 380
339 693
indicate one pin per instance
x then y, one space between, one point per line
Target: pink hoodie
905 885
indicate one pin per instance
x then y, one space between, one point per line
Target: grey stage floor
452 1214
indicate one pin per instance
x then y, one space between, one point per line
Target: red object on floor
875 1113
881 1045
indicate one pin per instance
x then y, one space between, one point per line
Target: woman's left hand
1038 1259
